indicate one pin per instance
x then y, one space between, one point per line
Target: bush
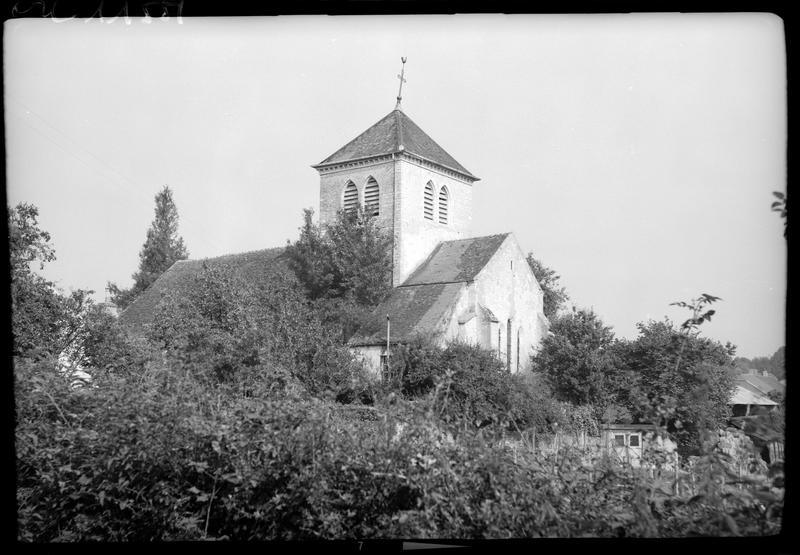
222 327
164 457
470 384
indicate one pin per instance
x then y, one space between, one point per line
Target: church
447 285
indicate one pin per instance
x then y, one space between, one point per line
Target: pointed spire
402 80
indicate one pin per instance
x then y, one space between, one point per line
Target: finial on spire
402 80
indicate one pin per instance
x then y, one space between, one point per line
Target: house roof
743 396
394 133
413 310
758 384
456 261
254 267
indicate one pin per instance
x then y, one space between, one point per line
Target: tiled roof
743 396
254 267
761 385
393 133
460 260
416 310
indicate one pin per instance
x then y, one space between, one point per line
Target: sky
635 154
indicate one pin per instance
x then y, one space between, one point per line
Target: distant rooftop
761 385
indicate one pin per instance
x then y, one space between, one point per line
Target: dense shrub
472 386
164 457
222 327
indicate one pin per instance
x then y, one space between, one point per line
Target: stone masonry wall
508 288
415 236
332 184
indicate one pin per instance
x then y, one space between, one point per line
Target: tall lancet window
443 205
350 197
427 207
372 198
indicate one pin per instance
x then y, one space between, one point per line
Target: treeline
775 364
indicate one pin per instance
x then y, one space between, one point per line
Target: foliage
349 258
684 376
26 242
162 248
580 362
555 296
163 456
36 307
44 322
105 345
779 206
470 381
471 386
221 326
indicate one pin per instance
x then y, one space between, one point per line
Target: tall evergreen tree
162 248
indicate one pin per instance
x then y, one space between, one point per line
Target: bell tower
414 188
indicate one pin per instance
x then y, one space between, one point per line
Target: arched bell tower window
427 207
372 197
350 201
443 197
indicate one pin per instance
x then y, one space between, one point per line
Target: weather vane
402 80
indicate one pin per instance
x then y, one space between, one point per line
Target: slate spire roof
395 133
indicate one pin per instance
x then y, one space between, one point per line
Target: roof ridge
398 121
230 254
380 140
476 238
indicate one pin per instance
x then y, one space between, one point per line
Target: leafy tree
349 258
37 308
683 380
554 294
579 361
162 248
779 206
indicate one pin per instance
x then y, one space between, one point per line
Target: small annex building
448 285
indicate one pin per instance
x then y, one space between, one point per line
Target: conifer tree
162 248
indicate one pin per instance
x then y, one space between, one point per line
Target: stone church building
448 285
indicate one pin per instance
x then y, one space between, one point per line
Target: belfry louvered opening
372 197
428 202
443 205
350 197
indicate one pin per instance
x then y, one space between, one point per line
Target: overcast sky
633 154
